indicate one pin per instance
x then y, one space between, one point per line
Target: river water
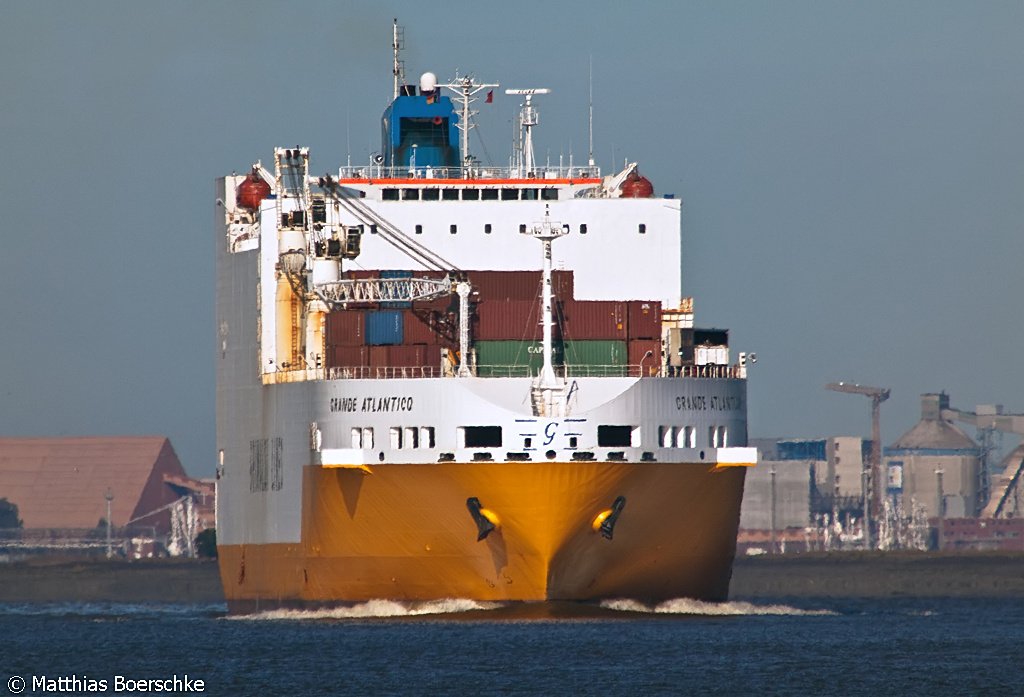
783 647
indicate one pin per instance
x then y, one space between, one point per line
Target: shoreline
814 575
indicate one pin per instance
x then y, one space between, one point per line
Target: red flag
490 97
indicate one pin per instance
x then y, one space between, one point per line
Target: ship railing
539 174
363 372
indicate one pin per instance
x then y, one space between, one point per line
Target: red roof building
63 482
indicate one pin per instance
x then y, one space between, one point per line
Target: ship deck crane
878 395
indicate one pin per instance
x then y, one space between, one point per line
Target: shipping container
515 358
644 319
509 320
348 356
518 285
384 327
650 363
422 326
593 319
407 356
379 356
595 353
345 328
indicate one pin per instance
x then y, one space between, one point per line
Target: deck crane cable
389 232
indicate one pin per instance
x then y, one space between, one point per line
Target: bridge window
510 194
549 194
529 195
489 194
410 194
431 194
470 194
450 194
389 194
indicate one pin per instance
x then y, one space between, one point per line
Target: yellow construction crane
878 395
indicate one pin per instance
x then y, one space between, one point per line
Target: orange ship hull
404 532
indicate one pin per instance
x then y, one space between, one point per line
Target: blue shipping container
384 328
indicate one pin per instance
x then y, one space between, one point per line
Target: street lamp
109 496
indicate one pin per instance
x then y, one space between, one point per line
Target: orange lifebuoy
437 120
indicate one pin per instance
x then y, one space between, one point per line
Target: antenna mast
527 119
398 67
590 108
465 89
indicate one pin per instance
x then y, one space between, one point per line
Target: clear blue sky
852 177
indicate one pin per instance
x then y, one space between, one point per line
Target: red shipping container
510 320
518 285
421 326
359 274
407 356
593 319
644 319
346 328
380 356
347 356
637 355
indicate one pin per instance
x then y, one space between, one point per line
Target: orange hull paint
403 532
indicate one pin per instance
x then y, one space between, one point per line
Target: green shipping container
594 353
513 358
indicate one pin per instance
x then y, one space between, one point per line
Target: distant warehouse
65 483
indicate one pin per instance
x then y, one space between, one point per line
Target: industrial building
67 489
935 465
938 487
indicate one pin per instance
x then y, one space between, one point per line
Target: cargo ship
439 379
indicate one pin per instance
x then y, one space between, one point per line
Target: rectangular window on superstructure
449 194
489 194
487 228
614 436
481 436
357 438
666 436
419 229
686 437
410 194
529 195
549 194
427 436
510 194
367 438
471 194
389 194
642 228
411 437
431 194
453 228
583 228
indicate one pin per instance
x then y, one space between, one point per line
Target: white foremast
549 393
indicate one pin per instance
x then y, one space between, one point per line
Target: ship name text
702 402
370 404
